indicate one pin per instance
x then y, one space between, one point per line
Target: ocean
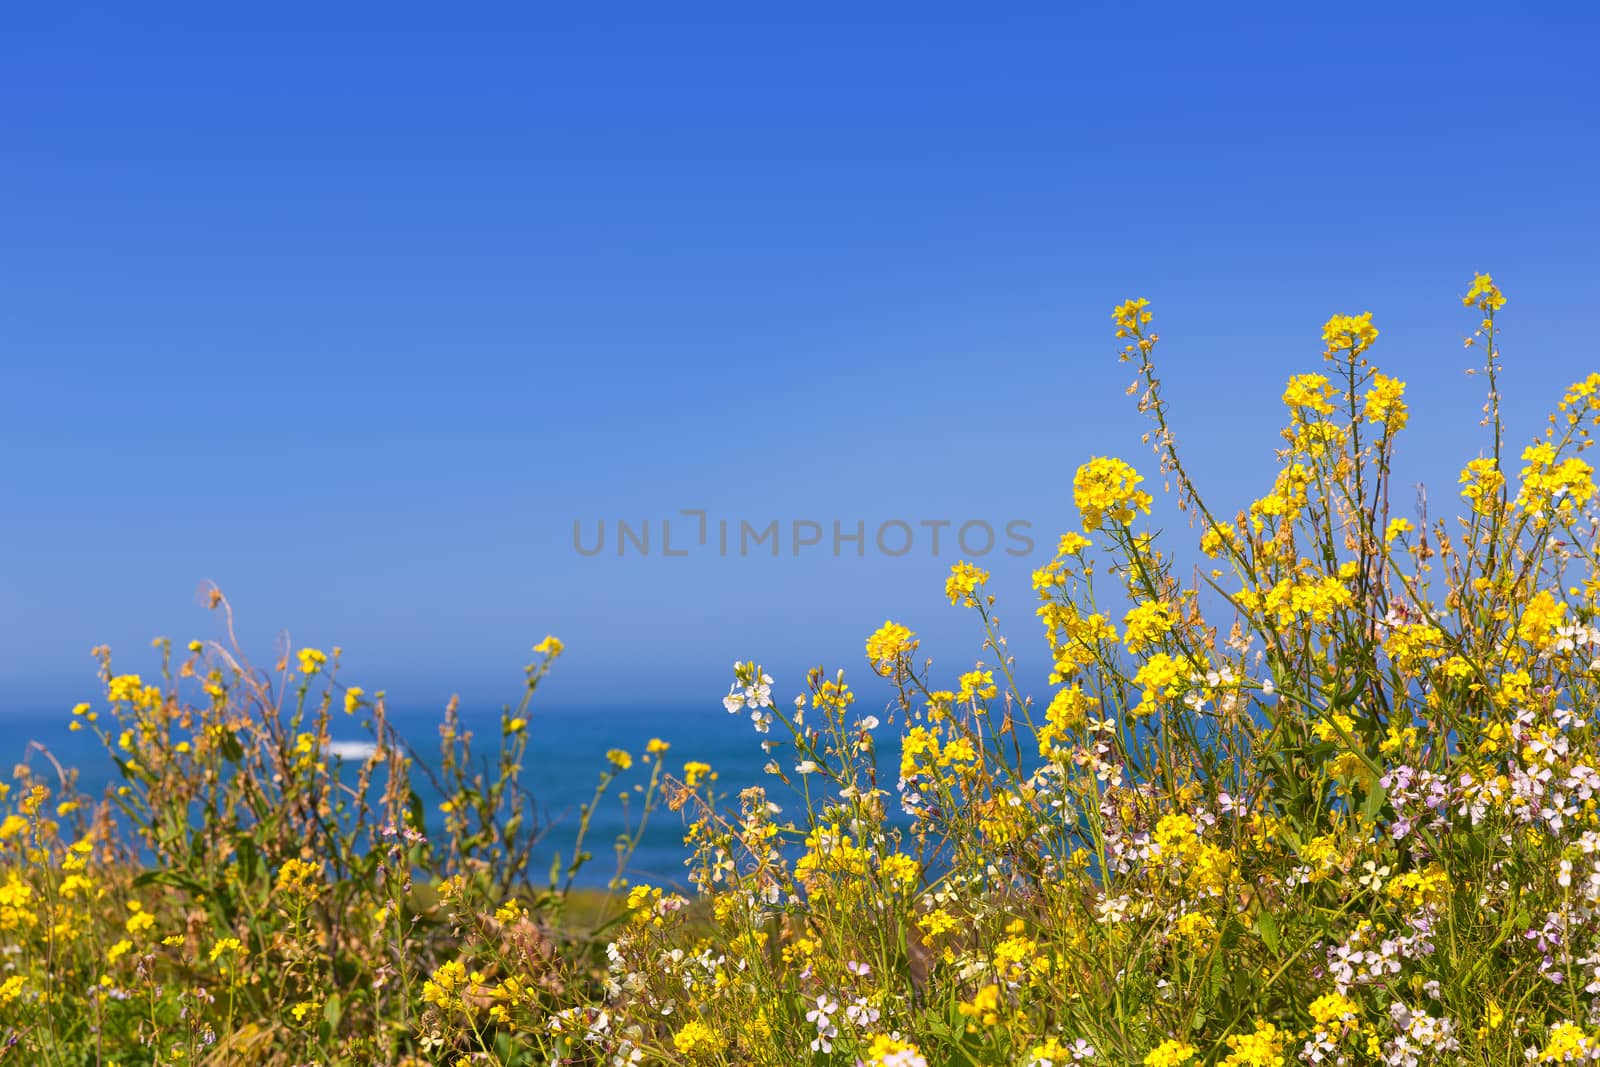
566 755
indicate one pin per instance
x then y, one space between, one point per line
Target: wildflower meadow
1313 780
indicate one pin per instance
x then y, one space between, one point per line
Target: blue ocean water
566 755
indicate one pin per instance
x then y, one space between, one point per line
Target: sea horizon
566 755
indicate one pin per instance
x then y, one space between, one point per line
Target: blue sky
355 312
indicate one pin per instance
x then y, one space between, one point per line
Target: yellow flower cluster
698 1042
962 585
1349 333
1485 294
1107 488
1171 1053
1552 484
1382 403
1312 392
892 645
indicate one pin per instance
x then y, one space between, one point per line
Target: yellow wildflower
1485 294
1170 1053
962 585
697 1041
1108 488
1383 403
1352 333
889 647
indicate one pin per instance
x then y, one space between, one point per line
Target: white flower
861 1013
759 693
1374 877
821 1017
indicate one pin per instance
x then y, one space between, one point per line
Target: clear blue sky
355 308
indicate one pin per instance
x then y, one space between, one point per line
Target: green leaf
1374 803
1267 930
333 1011
172 878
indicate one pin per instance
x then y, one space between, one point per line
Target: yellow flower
889 647
619 759
1105 488
12 988
1196 929
1317 598
140 920
125 688
311 661
1333 1008
1170 1053
962 585
1068 710
1072 543
1162 677
1483 481
887 1051
695 772
1352 333
1218 539
977 685
1396 528
75 885
30 804
1567 485
551 646
1485 294
1312 391
299 876
697 1041
352 699
899 870
227 946
443 989
1383 403
1263 1048
642 901
1568 1043
656 746
1130 315
1146 624
984 1006
1175 838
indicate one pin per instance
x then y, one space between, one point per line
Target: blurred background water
566 755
